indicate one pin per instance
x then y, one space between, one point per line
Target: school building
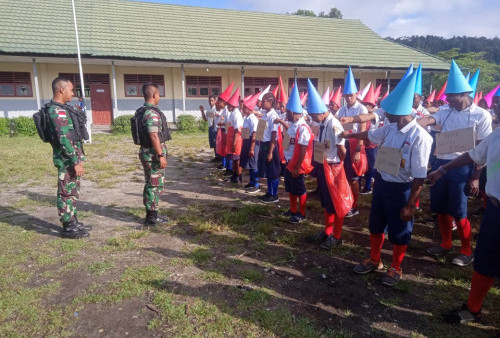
190 52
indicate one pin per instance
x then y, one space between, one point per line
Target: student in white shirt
487 255
250 147
448 195
209 117
233 132
398 185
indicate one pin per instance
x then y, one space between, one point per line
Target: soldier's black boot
153 218
73 230
83 226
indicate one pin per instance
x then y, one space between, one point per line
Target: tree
335 13
304 12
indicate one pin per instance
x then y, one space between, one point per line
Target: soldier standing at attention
68 158
153 153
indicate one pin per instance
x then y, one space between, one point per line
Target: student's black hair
212 97
269 97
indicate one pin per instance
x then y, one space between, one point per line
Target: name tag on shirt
319 151
389 160
315 130
245 133
286 141
261 128
455 141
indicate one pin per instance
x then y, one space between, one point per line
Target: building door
100 98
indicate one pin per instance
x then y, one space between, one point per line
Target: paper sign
388 160
261 127
319 151
348 126
245 133
286 141
455 141
315 130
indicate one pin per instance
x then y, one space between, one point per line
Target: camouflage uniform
67 152
153 174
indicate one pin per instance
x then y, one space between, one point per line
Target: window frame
141 79
24 80
193 82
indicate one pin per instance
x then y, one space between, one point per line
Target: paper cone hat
467 77
440 93
409 71
326 96
251 101
282 94
337 96
370 97
227 93
247 97
362 93
476 98
456 81
473 83
384 97
235 99
431 97
315 103
275 91
377 91
418 84
489 97
264 92
294 104
400 100
349 83
303 99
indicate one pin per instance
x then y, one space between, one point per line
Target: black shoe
263 197
365 191
288 213
73 231
297 218
461 315
353 212
83 226
270 199
221 167
248 186
317 238
330 243
228 173
253 190
153 218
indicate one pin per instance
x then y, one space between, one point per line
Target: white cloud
403 17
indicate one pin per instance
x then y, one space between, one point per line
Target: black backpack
139 134
42 120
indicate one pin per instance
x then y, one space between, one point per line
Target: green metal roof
150 31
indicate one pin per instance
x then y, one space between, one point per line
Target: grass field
223 266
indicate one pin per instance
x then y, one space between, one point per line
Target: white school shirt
210 114
269 117
251 121
217 118
356 109
488 152
235 119
450 119
331 132
304 137
419 113
415 144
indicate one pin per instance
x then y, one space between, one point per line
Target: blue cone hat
349 84
473 83
409 71
456 81
294 104
315 103
418 83
467 77
400 100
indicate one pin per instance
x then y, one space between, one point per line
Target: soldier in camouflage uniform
68 158
154 157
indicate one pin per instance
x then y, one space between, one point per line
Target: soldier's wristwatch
162 155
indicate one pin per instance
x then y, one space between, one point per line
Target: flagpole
82 84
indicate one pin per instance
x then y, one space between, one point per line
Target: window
99 78
254 85
383 90
203 86
15 84
134 83
302 84
340 82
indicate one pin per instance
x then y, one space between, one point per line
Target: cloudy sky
387 17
